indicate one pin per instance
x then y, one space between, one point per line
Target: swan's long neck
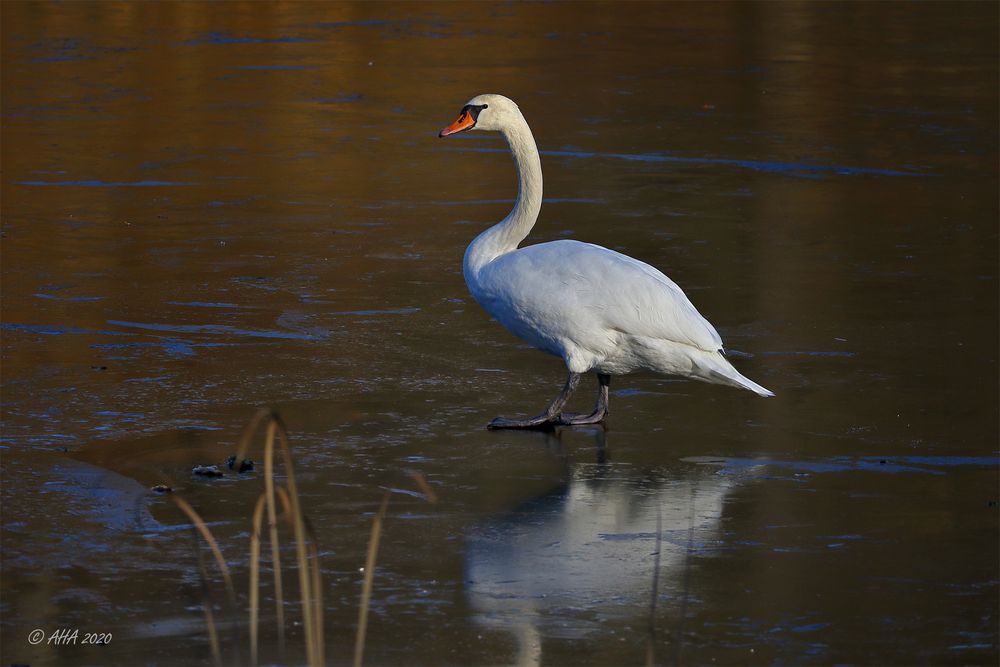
505 236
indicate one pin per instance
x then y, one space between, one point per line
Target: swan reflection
585 551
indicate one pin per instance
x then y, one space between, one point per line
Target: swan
598 309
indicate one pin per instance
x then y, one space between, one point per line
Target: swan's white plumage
588 297
596 308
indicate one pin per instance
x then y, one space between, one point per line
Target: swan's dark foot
554 416
547 419
579 419
600 408
543 422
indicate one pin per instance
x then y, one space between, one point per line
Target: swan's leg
547 418
600 409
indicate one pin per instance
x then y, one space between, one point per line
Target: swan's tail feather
719 370
746 383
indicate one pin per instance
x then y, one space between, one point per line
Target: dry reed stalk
311 596
248 434
272 525
317 589
366 587
315 593
206 534
206 598
424 487
314 642
201 528
258 518
306 547
651 639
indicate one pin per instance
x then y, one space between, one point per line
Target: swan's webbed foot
554 416
547 419
600 408
579 419
542 422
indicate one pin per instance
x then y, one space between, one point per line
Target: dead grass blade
309 581
201 528
317 591
251 427
306 551
651 638
366 587
310 621
206 534
424 486
258 518
206 598
272 526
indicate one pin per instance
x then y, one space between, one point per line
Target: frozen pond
212 207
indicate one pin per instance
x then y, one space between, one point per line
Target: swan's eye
473 110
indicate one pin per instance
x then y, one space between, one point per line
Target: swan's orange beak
465 121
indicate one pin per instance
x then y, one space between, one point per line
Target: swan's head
484 112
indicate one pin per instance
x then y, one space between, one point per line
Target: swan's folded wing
572 289
645 302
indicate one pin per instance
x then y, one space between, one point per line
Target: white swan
596 308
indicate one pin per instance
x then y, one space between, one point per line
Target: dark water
210 207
